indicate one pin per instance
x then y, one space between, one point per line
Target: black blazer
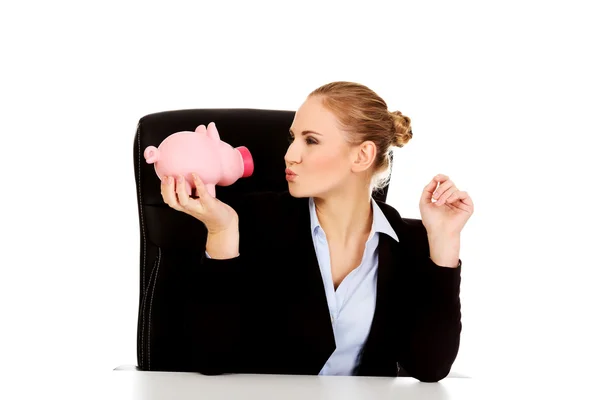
265 312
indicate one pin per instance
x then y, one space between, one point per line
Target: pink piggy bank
201 152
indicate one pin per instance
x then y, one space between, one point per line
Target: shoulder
406 228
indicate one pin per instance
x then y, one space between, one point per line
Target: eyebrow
306 132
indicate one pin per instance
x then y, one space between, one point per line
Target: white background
504 99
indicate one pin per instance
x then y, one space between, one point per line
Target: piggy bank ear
212 131
201 129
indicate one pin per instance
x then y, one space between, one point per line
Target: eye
309 139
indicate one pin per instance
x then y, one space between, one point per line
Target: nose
292 156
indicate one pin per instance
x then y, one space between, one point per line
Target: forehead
314 116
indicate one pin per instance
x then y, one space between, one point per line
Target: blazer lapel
311 299
377 357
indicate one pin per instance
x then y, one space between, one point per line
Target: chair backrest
168 238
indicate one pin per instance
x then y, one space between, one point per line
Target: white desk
131 384
128 384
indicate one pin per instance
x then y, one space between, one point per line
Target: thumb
428 192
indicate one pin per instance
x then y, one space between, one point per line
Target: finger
428 191
201 191
168 193
441 190
445 197
440 178
181 192
466 199
453 197
461 200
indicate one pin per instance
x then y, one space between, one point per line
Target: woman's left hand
451 211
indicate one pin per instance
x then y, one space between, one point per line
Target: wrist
223 244
444 250
223 230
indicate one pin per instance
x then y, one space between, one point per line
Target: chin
298 191
295 191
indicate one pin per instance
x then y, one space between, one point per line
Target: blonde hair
365 116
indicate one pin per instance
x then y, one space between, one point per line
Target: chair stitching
151 299
144 302
143 230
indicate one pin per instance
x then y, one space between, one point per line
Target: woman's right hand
213 213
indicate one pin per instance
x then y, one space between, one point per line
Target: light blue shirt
352 305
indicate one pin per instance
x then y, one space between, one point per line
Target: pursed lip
290 172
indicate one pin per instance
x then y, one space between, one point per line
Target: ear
364 156
201 129
212 132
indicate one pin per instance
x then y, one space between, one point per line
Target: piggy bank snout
247 161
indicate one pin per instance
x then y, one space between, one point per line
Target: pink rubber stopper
248 162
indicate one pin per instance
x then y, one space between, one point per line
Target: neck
345 216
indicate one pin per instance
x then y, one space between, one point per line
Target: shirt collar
380 222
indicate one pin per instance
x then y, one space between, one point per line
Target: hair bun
402 129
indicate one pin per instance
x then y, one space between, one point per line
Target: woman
323 279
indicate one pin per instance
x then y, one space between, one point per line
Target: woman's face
319 157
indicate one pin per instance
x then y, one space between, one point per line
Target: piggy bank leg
210 188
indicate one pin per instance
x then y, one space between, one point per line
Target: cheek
327 161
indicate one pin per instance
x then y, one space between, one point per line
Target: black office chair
168 238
